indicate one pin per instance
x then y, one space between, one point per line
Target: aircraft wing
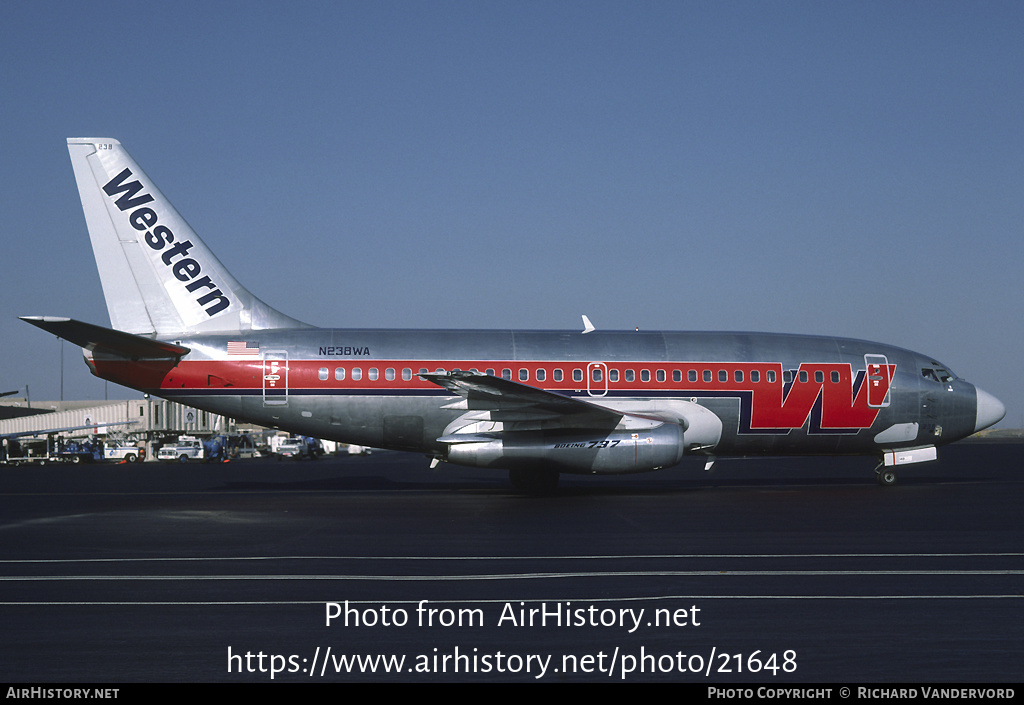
489 400
508 424
503 400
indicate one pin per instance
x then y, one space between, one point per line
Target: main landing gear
534 482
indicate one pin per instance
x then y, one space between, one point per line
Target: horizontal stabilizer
97 338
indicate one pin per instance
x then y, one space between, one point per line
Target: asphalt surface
773 571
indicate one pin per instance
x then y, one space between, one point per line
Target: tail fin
158 277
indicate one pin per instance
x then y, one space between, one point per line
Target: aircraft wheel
534 482
887 478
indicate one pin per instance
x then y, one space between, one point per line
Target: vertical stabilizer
158 276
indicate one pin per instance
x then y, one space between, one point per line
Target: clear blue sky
836 168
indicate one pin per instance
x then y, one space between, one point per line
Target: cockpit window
937 374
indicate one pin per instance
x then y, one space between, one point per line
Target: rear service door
275 378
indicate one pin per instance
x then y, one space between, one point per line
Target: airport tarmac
772 571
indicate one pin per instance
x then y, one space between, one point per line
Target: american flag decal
236 347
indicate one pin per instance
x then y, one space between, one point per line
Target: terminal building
147 423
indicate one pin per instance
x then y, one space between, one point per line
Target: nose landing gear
886 477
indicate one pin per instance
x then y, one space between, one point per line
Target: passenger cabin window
707 375
557 375
692 375
677 375
577 375
541 374
661 375
596 374
339 373
406 374
755 376
489 371
819 376
357 373
835 377
645 375
389 373
738 375
630 375
613 375
524 375
322 373
723 376
372 374
506 374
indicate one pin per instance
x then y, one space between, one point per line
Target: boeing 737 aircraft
536 403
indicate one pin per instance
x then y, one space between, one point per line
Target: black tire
887 478
130 457
182 458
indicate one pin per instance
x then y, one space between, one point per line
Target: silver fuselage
774 394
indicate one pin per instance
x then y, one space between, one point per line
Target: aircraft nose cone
990 410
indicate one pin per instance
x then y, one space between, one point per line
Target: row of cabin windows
628 375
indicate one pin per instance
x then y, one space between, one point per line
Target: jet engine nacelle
599 453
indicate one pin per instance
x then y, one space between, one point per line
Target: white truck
183 450
119 451
292 447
